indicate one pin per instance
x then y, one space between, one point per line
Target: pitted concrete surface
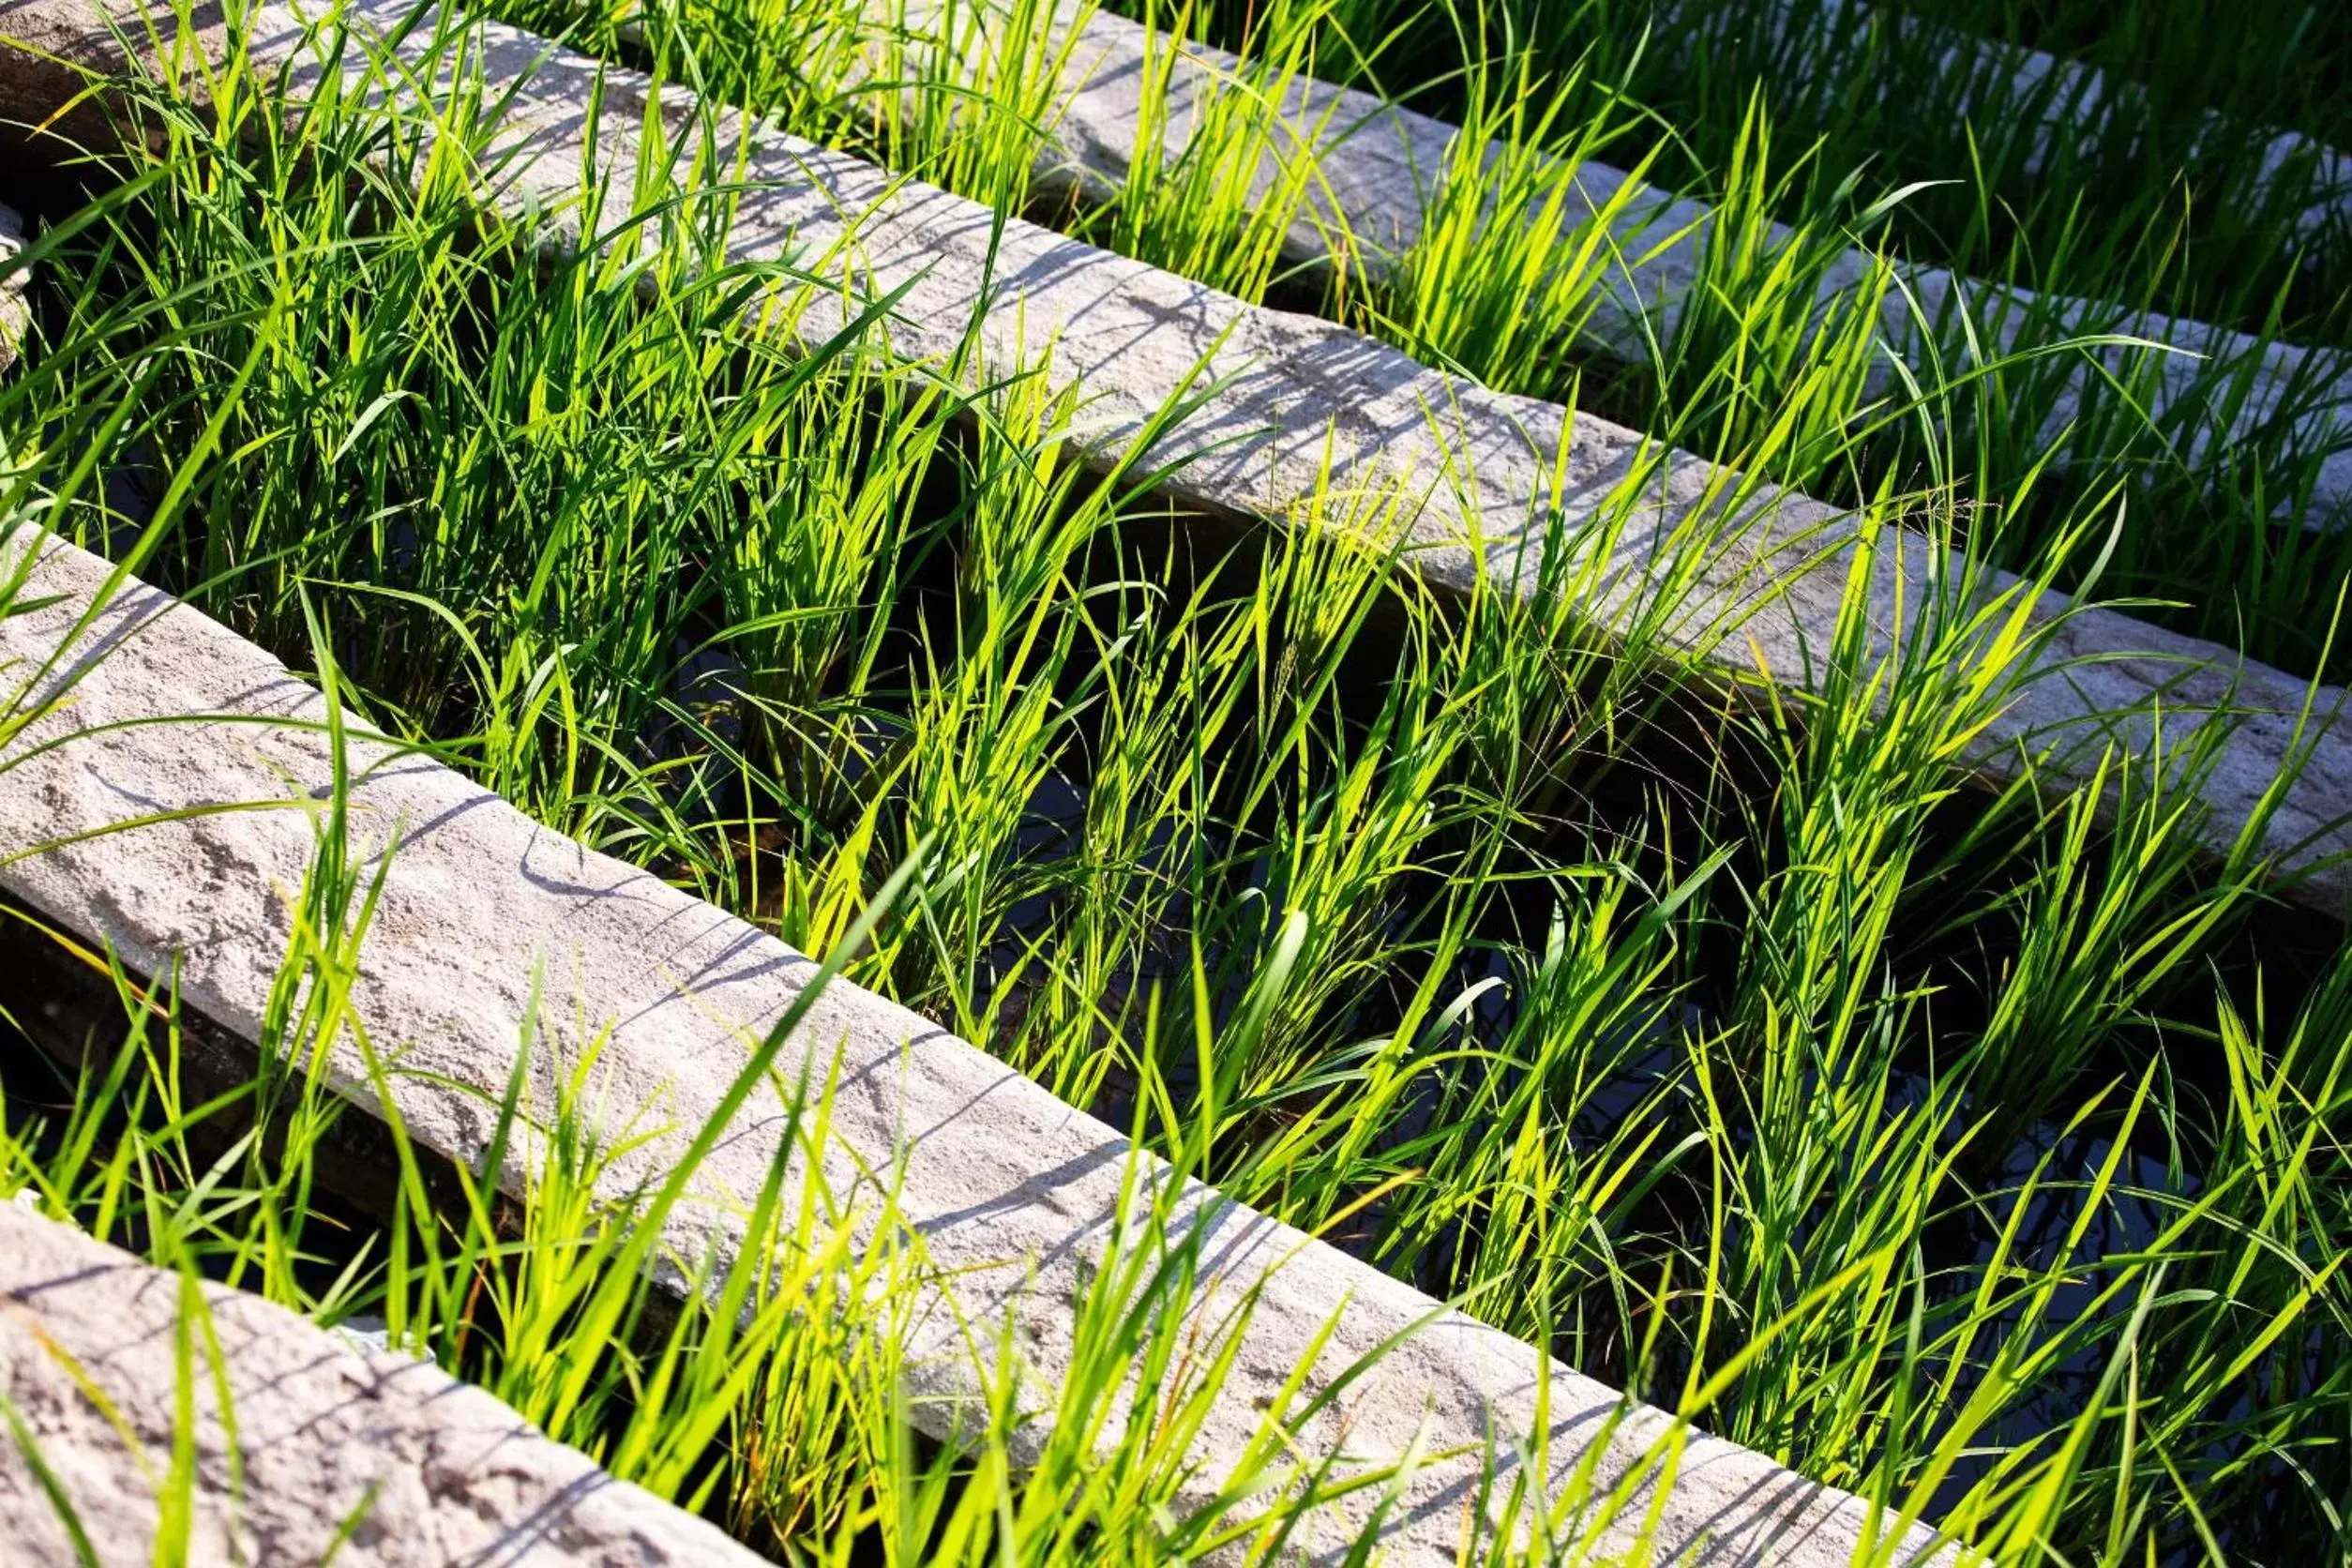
1013 1190
1301 422
1377 164
1014 1193
409 1467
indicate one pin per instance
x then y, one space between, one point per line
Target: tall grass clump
760 1379
1979 1151
1796 293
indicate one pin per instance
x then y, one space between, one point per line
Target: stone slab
1378 162
1287 408
1284 402
457 1476
1003 1175
1014 1193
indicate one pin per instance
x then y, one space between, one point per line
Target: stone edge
1012 1191
456 1474
1724 568
1377 159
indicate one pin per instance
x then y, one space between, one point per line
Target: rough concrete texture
1287 409
1013 1190
1014 1193
15 317
1376 163
456 1477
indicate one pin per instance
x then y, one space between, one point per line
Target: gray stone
1732 570
1014 1193
1462 471
1376 163
424 1470
1285 404
1013 1190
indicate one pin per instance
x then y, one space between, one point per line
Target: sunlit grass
1968 1150
2029 387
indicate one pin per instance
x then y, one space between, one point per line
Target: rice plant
1980 1151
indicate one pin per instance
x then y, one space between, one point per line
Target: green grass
2178 218
770 1395
1944 1144
1749 368
2275 63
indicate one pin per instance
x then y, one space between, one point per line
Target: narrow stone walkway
377 1461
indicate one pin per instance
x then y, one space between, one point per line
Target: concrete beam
1299 422
1014 1193
409 1467
1379 165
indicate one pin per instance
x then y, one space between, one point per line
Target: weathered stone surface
1291 398
1013 1192
48 50
15 316
1378 162
456 1477
1283 403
